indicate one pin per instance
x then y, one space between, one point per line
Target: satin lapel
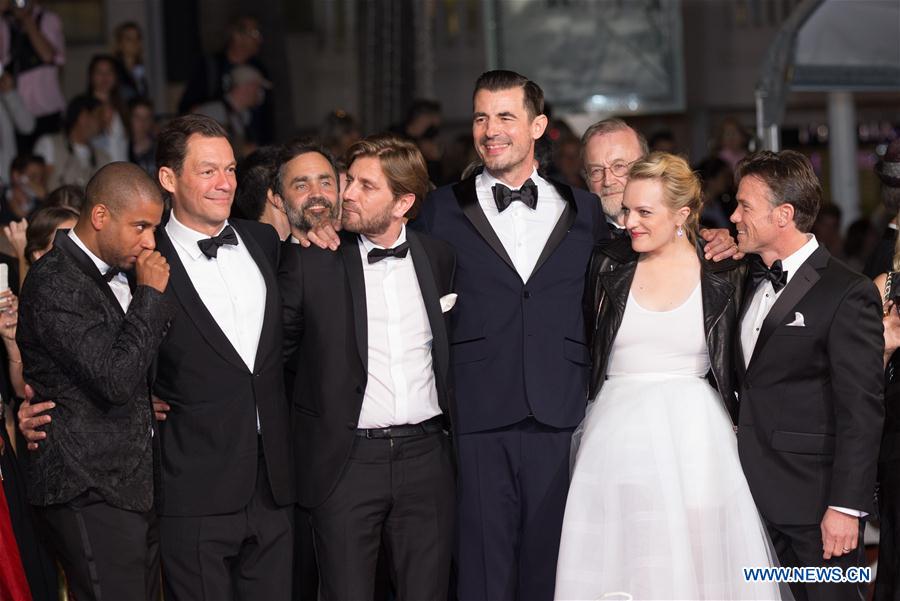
746 298
85 264
190 301
468 202
353 264
432 299
800 284
273 302
562 226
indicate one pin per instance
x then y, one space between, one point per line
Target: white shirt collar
102 266
186 237
490 181
369 245
792 263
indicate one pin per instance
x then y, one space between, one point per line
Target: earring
679 231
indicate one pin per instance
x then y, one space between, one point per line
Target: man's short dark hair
118 184
21 161
292 150
82 103
791 179
255 173
171 146
495 81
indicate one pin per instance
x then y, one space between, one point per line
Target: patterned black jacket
83 352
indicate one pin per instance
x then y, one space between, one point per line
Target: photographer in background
32 49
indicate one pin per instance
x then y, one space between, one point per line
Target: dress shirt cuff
854 512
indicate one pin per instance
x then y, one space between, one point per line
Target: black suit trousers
801 546
245 555
399 491
105 552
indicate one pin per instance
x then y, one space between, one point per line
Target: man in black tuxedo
366 339
226 478
88 336
810 375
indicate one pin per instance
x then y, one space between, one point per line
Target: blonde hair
681 186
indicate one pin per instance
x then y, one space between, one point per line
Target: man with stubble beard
306 186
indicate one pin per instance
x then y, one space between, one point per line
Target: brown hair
494 81
171 146
791 180
41 227
681 186
401 163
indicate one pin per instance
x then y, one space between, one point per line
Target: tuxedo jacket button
359 390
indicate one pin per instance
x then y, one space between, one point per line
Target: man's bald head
118 185
122 209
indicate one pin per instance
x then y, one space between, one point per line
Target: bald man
92 315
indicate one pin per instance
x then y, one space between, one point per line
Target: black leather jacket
610 274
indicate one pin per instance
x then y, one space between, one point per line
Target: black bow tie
399 251
527 194
111 273
210 246
775 274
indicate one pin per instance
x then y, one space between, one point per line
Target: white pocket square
447 302
798 320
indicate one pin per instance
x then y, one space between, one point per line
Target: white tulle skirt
658 507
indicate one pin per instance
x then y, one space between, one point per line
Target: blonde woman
658 505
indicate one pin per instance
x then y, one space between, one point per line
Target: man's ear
403 204
167 179
538 126
99 216
275 200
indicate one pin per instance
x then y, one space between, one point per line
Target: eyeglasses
619 169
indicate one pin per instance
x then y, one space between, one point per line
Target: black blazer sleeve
856 342
108 363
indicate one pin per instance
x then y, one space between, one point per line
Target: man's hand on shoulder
720 245
324 235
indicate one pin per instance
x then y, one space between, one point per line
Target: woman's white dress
658 506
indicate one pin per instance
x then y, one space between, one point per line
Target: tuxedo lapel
349 250
746 297
85 264
431 297
562 226
468 202
806 277
273 302
190 301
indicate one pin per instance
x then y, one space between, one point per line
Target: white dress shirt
400 388
119 283
522 231
763 298
230 286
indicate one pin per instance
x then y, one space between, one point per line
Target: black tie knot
527 195
210 246
399 251
111 273
774 274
